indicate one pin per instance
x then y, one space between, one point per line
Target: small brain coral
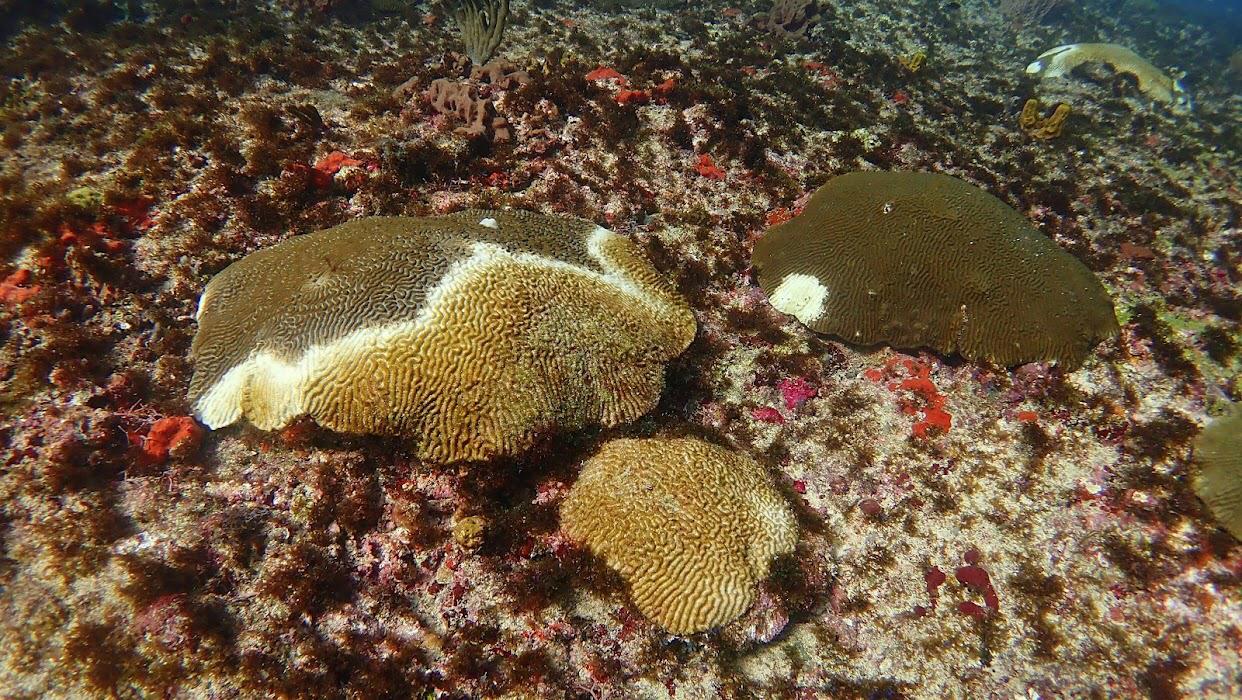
471 333
924 259
690 526
1217 478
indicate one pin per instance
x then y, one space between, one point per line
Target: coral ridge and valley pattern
965 530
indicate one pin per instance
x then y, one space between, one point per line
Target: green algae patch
927 260
86 198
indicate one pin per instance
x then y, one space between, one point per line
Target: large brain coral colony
1217 474
470 333
927 260
1153 82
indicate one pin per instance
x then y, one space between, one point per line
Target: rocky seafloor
144 149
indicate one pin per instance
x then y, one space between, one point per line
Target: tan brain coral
690 526
1217 476
1152 81
924 259
470 333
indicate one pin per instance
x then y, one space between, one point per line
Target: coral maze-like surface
966 530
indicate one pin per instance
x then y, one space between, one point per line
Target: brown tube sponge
924 259
691 526
471 333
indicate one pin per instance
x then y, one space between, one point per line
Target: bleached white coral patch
800 296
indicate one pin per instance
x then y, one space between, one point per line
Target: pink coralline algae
626 95
640 97
933 579
175 436
15 289
977 579
135 211
332 163
909 374
96 236
606 73
706 167
795 391
766 619
778 216
828 78
167 620
767 414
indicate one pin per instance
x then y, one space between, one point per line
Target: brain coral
470 333
692 527
1152 81
924 259
1218 476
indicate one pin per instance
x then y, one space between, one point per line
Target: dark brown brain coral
470 333
927 260
1217 478
690 526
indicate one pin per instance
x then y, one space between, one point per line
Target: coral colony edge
486 349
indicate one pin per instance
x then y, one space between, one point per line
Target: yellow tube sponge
1039 126
1152 81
